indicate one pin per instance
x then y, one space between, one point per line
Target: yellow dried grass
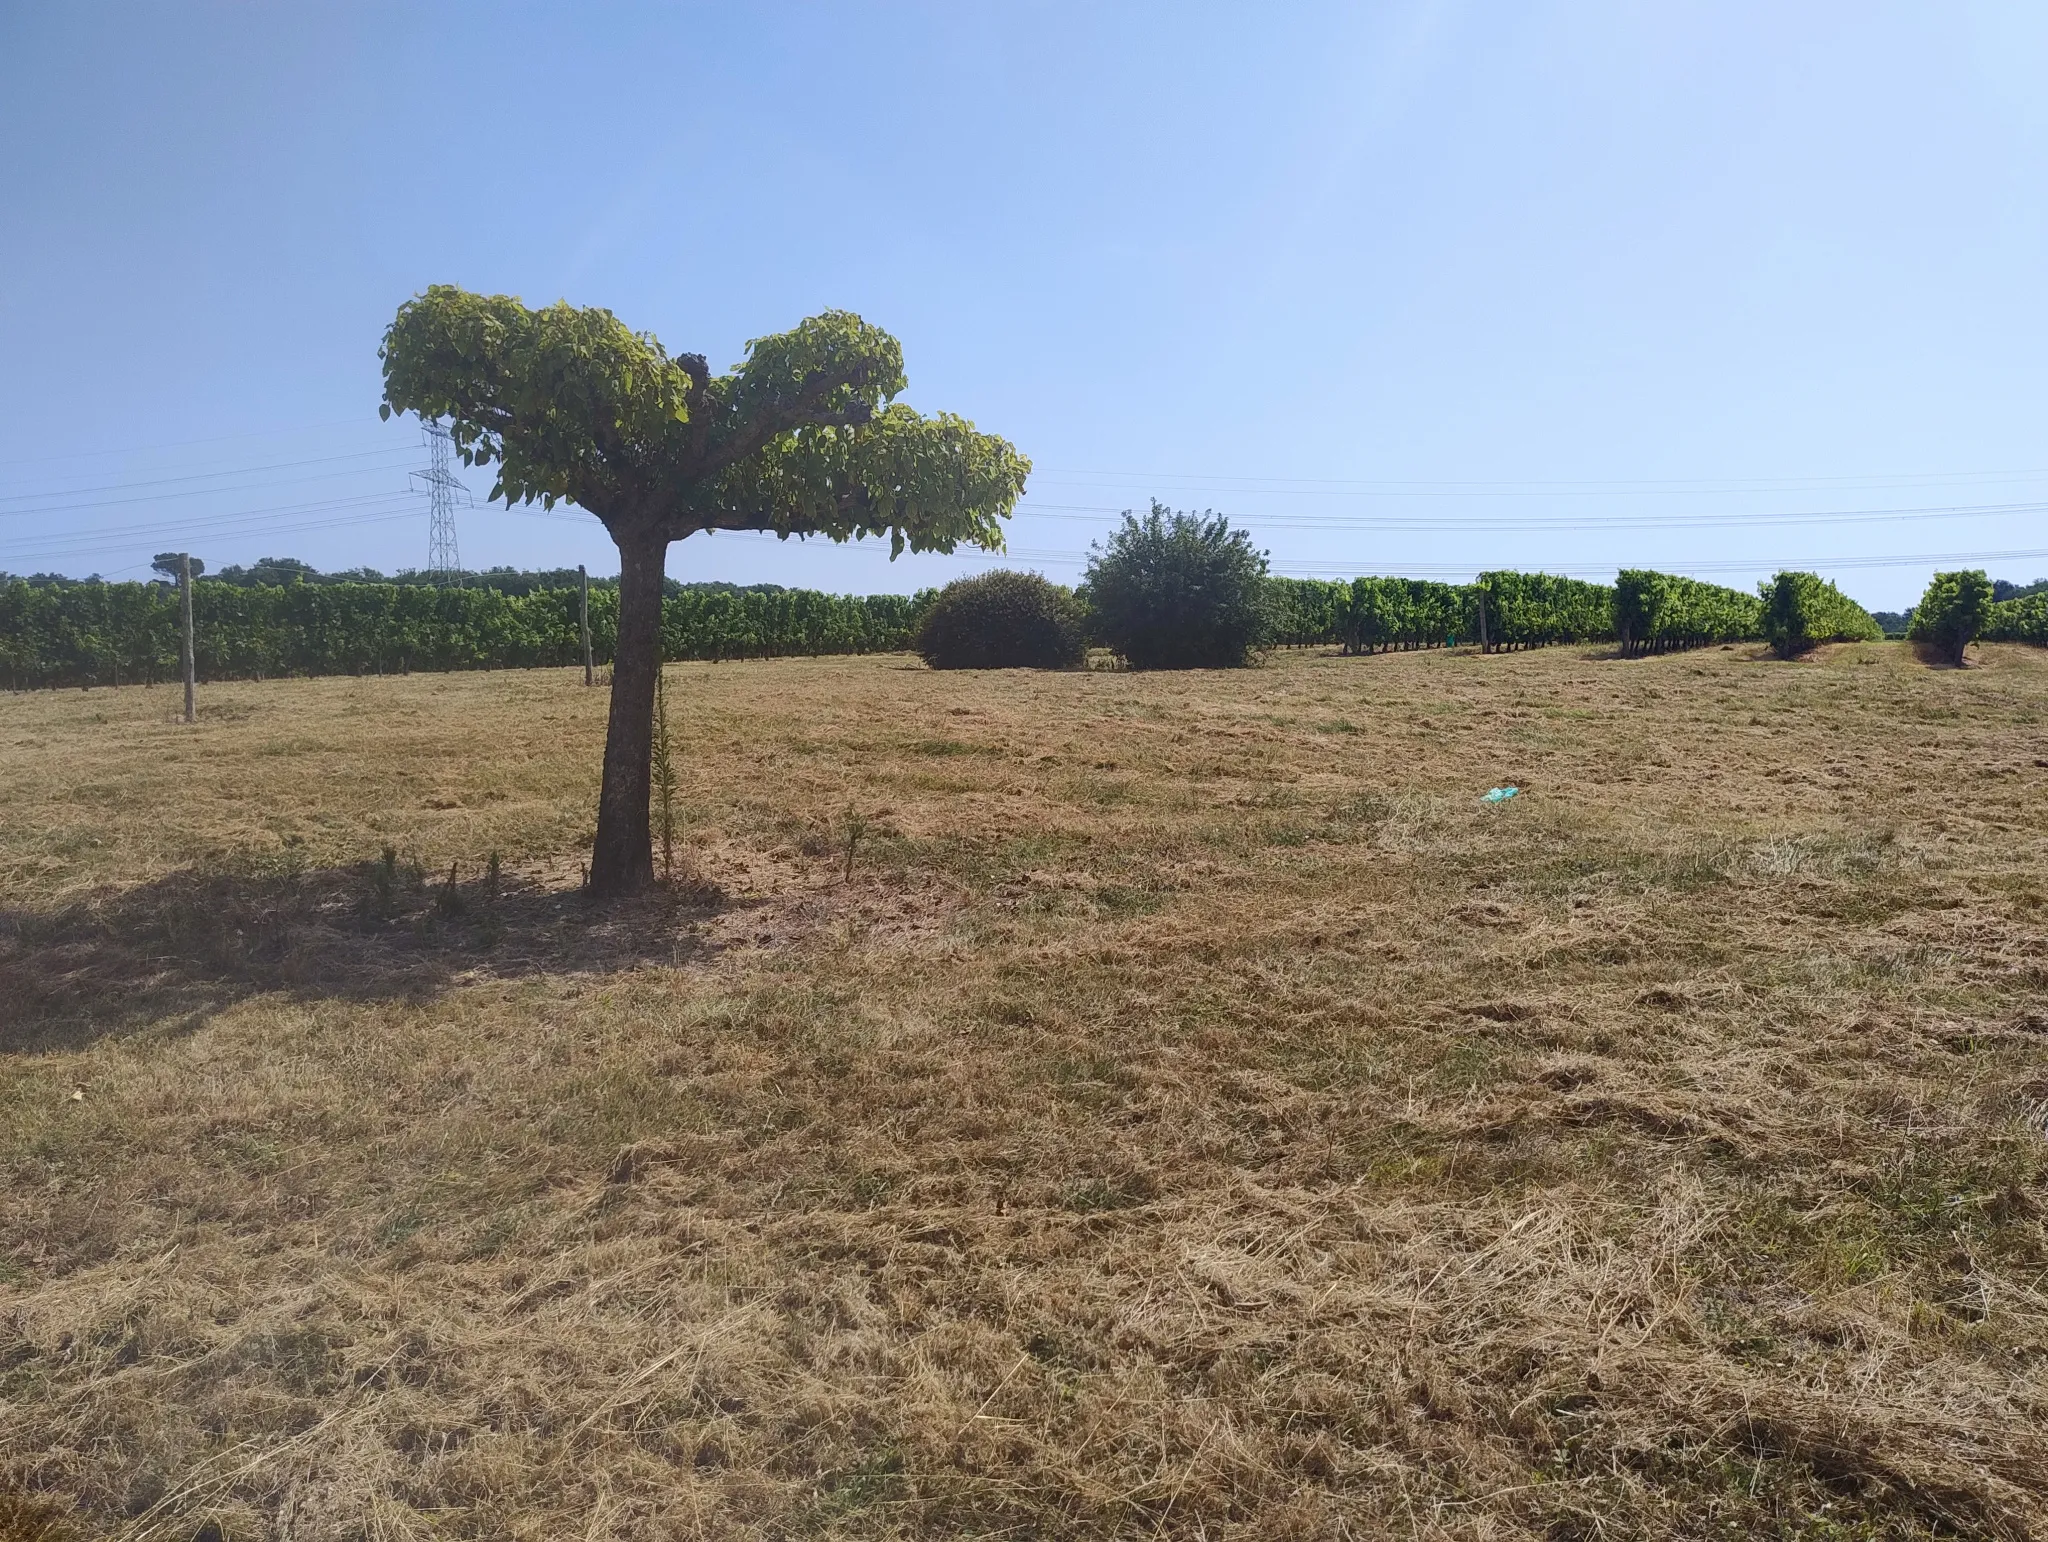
1197 1117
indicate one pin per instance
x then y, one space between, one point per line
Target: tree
169 563
1952 612
1179 591
803 438
276 571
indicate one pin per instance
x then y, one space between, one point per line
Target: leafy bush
1803 610
1179 591
1657 612
1952 612
1003 620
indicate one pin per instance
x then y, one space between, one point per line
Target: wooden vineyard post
185 608
589 671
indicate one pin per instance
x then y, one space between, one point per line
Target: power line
1543 522
232 528
445 489
1527 487
191 492
1073 558
225 519
410 511
203 476
1071 510
185 444
1070 557
1236 482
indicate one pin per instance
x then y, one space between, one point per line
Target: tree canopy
802 438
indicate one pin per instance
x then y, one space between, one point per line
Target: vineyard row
92 633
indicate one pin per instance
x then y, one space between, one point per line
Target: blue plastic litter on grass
1498 794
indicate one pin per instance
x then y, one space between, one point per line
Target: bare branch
699 371
807 411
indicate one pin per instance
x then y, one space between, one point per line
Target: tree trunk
622 861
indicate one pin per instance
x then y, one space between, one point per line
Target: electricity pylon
444 491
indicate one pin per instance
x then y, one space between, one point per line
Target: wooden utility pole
589 668
185 606
1484 645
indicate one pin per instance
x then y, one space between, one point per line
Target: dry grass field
1197 1116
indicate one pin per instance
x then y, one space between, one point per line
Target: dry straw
1197 1116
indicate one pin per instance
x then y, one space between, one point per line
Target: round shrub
1179 591
1003 620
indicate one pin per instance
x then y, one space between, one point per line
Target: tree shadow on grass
1934 656
168 955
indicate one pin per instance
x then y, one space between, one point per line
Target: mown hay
1197 1116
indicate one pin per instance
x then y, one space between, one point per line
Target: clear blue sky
1408 287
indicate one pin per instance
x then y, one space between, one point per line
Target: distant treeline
2022 619
111 634
64 632
279 572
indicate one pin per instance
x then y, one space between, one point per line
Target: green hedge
1803 610
1523 610
750 625
1307 611
106 634
1387 613
1659 612
1536 610
100 634
2022 620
